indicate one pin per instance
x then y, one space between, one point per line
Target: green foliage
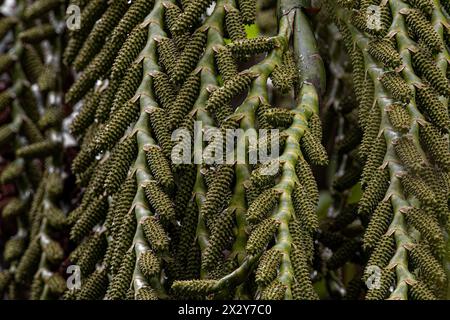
145 228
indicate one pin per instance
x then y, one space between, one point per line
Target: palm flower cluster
151 228
341 228
226 149
401 88
32 174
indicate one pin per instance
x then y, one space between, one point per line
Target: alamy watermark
73 282
226 146
373 17
374 280
73 20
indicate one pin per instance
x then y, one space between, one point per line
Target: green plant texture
138 149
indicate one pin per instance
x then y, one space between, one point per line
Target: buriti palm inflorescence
341 228
399 76
162 183
33 173
149 228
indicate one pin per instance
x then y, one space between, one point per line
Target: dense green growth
33 175
94 120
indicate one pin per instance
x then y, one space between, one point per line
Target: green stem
310 63
147 99
395 191
307 106
208 76
285 211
